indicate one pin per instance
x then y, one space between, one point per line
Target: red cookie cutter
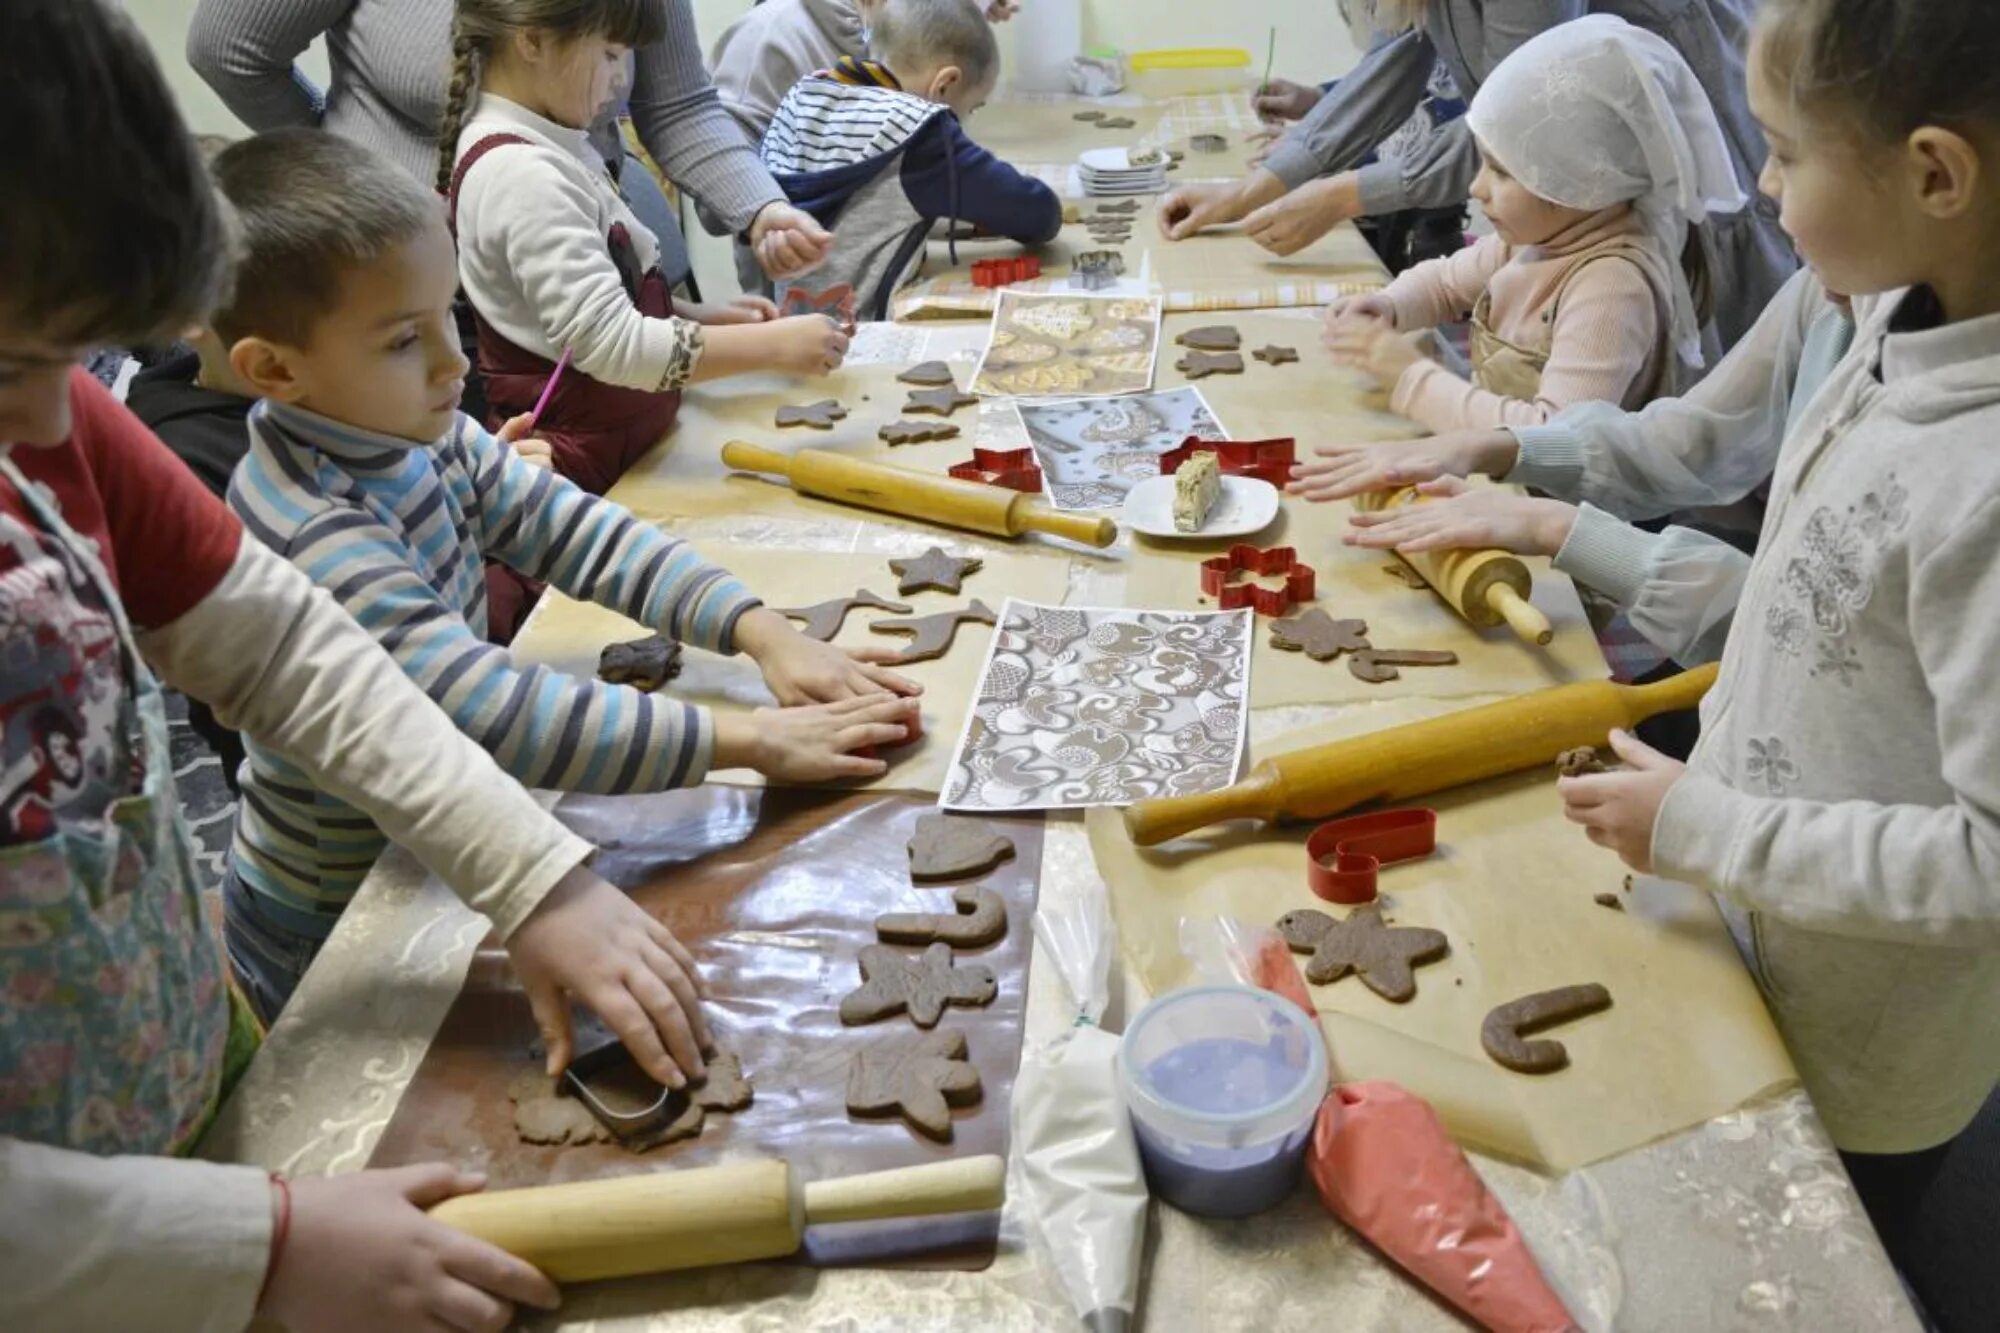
1343 855
1266 460
1219 575
1000 272
1016 469
836 303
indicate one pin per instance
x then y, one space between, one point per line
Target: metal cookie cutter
1267 460
1219 575
625 1098
1015 469
1344 855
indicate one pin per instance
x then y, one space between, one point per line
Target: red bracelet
280 1229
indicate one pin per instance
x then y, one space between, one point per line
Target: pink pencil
548 390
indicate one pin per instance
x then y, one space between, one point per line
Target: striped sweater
396 533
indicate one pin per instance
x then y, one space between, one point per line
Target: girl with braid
552 259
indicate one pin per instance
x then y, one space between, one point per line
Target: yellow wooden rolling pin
971 505
1486 587
1422 757
729 1214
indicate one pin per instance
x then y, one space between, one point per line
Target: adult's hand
1281 99
787 242
1288 225
1195 208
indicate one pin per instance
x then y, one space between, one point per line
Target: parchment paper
567 635
1511 885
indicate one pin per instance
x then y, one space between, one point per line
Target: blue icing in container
1222 1083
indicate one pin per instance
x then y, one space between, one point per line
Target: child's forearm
733 349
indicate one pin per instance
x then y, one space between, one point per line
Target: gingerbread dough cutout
1212 338
920 1080
1207 143
893 982
938 402
929 374
1504 1032
547 1113
1406 576
932 635
820 415
1378 666
1273 355
1318 635
915 432
953 846
1610 900
644 664
980 920
1200 365
824 619
935 568
1385 957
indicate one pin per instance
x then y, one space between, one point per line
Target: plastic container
1190 71
1222 1083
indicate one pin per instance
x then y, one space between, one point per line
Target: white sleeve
1679 587
275 656
114 1243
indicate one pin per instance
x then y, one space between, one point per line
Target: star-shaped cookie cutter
1016 469
1344 856
1219 575
1267 460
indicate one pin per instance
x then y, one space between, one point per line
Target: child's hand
514 432
1345 470
787 242
1364 309
806 345
805 671
589 941
737 310
816 742
362 1254
1375 346
1467 519
1618 810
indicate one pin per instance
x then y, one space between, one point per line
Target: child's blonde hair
925 34
479 26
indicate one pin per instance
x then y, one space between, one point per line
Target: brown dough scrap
1378 666
1090 115
1318 635
920 1080
933 634
1117 123
644 664
542 1114
1386 957
1504 1031
915 432
893 982
928 374
1207 143
938 402
953 846
1610 900
935 568
1273 355
980 920
1580 762
824 619
820 415
1212 338
1200 365
1406 576
723 1087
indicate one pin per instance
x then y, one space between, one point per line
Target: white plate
1248 505
1113 160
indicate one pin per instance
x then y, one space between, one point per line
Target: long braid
457 101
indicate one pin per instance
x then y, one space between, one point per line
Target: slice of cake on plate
1197 487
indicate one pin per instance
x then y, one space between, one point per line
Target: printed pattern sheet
1095 450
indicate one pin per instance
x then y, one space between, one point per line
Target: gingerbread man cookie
893 982
820 415
1385 957
920 1079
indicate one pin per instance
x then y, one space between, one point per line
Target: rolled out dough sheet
1511 884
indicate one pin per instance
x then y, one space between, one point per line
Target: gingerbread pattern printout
1093 451
1081 706
1062 345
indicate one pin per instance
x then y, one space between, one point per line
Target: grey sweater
390 61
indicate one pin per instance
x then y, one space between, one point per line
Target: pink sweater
1606 341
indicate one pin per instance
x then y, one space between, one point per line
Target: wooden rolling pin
926 495
729 1214
1422 757
1486 587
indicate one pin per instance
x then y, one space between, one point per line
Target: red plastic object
1343 856
1219 575
1000 272
1016 469
836 303
1267 460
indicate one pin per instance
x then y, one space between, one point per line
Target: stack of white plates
1108 171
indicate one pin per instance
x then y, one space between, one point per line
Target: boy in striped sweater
364 474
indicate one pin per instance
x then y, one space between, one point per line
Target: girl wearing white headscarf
1601 155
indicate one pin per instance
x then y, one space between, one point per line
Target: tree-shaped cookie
1386 957
928 374
893 981
920 1078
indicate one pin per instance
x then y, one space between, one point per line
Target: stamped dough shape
980 920
928 374
1212 338
824 619
1378 666
893 982
1318 635
938 402
915 432
1504 1033
935 568
1273 355
1385 957
953 846
1200 365
820 415
919 1078
644 664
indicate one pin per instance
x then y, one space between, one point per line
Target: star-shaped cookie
920 1079
1386 957
1273 355
935 568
